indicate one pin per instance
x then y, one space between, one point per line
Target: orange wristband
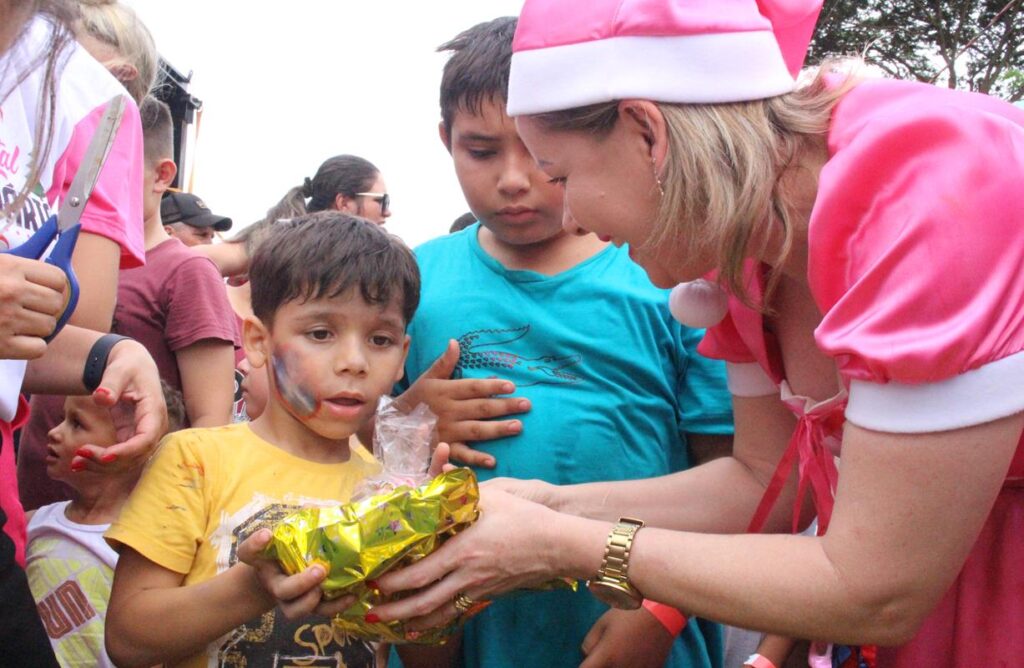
673 620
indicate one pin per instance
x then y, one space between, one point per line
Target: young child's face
502 184
254 389
330 360
84 423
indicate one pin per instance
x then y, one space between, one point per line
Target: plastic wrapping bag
395 518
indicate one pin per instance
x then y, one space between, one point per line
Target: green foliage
969 44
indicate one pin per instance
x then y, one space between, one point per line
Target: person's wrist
578 544
669 617
100 357
758 661
261 600
554 497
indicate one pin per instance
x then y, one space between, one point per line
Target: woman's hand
31 299
536 491
130 387
511 546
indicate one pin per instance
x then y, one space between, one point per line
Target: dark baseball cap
187 208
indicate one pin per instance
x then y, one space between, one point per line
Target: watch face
618 596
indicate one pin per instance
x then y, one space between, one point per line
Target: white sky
286 85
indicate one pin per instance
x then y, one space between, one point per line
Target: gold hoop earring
657 179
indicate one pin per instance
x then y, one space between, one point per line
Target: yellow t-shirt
206 491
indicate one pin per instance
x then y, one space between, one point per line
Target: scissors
65 226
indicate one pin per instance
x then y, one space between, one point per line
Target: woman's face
372 204
611 190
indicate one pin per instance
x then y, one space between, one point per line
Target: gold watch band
615 565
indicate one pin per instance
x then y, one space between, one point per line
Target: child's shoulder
206 441
443 246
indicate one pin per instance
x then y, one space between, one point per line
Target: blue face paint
301 401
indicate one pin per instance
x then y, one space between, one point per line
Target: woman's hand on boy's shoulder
297 595
467 408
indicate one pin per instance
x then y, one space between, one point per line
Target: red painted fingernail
371 618
372 584
77 466
82 452
108 459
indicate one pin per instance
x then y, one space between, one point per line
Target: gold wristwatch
612 585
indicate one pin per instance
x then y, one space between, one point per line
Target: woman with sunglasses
346 183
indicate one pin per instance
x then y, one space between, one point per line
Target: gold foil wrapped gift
362 540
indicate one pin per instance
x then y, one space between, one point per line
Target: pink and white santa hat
571 53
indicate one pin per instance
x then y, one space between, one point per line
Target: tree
969 44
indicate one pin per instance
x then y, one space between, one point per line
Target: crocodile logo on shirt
495 349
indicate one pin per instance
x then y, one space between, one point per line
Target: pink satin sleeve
916 238
723 342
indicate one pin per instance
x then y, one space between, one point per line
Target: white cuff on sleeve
980 395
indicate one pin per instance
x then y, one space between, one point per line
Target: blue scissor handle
60 257
36 246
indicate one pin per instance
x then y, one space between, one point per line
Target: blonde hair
722 177
118 26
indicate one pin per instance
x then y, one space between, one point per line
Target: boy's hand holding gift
330 556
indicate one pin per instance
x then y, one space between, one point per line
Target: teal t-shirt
614 381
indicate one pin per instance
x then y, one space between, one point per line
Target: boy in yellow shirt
331 297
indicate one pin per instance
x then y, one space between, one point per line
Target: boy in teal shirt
615 387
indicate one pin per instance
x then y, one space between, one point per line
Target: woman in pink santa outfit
868 236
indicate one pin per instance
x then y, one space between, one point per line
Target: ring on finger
463 603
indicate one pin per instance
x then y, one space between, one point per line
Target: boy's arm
207 381
95 262
705 447
202 332
153 619
634 638
431 656
776 649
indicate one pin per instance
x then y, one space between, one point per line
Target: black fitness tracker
96 362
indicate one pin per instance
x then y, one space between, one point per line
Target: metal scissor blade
89 170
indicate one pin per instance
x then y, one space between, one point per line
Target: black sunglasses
383 198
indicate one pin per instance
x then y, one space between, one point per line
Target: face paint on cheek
301 400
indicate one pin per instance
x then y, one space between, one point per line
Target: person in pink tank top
854 247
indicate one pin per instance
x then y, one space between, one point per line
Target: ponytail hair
341 175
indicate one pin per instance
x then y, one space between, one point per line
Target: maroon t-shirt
178 298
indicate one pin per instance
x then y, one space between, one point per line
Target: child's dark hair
326 254
477 71
341 175
157 130
175 403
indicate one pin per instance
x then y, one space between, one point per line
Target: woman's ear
123 71
345 204
256 339
645 118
